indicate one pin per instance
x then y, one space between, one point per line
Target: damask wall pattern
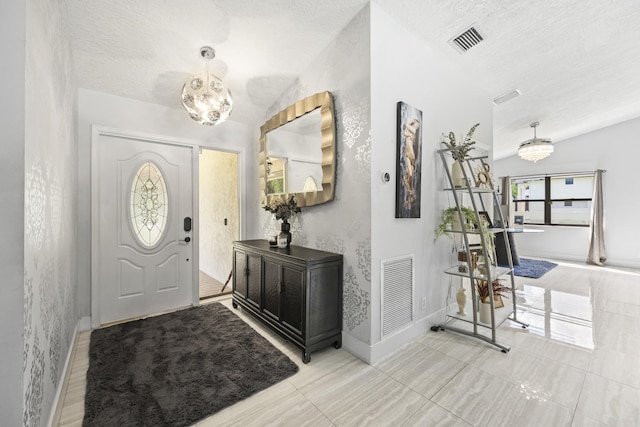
344 224
363 157
35 204
49 293
50 270
354 122
356 301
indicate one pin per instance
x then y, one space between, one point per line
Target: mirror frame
324 101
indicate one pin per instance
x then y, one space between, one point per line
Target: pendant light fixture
537 148
204 95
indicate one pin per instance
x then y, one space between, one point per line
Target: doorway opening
219 216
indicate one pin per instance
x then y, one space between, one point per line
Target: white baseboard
58 402
356 347
378 351
553 256
390 344
611 262
85 324
624 264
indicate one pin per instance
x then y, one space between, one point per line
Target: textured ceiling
577 63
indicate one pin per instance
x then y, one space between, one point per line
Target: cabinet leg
306 358
338 343
233 303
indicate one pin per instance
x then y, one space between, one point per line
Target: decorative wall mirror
297 152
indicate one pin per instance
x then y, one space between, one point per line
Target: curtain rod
555 174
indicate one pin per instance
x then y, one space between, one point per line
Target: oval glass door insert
149 205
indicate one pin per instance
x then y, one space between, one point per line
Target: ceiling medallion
537 148
204 96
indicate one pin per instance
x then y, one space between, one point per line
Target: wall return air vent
397 294
466 40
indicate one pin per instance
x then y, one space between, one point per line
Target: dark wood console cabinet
296 291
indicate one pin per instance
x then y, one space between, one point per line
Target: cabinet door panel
297 292
239 273
254 278
292 298
325 313
272 288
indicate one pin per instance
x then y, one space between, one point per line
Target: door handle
186 239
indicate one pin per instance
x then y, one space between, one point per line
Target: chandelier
205 97
537 148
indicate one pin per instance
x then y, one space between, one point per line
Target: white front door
142 212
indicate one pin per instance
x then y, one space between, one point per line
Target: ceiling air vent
468 39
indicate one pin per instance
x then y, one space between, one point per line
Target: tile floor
577 365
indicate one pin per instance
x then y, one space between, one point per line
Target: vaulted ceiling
576 63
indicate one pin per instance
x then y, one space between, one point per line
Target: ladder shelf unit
475 195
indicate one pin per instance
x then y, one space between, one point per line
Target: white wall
406 69
613 148
218 203
100 109
12 116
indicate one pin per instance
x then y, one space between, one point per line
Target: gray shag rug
178 368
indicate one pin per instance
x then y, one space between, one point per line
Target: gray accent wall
12 51
50 215
344 224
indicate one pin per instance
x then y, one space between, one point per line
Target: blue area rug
533 268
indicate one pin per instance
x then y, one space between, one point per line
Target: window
553 199
148 208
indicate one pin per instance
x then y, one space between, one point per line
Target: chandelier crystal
204 96
537 148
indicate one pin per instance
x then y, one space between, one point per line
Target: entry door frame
96 133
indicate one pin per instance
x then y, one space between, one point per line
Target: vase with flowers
283 210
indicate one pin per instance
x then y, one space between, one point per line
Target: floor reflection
560 316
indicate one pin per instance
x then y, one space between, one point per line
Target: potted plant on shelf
499 291
450 221
459 152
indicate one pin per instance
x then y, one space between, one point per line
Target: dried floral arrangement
462 149
281 209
